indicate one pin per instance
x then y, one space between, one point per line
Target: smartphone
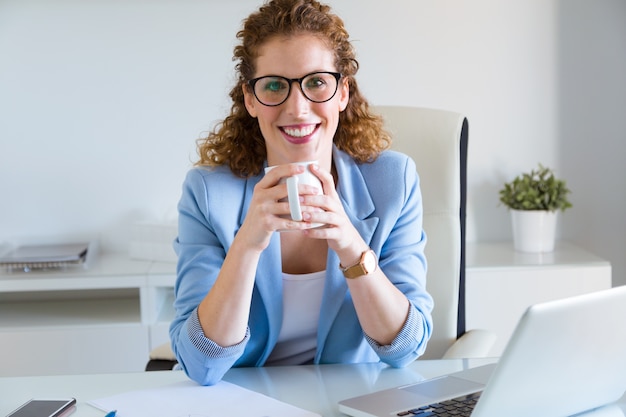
45 408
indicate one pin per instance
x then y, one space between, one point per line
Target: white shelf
494 255
108 271
105 318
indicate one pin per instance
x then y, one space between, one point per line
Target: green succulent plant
537 190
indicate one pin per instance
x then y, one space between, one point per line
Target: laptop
564 357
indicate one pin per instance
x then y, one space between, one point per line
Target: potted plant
534 199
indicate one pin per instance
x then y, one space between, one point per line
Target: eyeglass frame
251 83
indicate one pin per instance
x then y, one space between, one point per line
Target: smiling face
298 129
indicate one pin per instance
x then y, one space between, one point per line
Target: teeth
299 133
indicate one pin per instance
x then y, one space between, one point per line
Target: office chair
437 141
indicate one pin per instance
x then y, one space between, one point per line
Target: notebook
31 257
564 357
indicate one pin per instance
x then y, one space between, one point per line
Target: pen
111 413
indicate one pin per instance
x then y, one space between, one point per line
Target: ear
249 100
344 94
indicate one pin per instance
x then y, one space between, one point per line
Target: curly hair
237 140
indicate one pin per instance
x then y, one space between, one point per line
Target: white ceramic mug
306 177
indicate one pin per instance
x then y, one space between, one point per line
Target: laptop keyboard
456 407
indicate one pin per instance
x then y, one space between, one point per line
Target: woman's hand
269 208
342 236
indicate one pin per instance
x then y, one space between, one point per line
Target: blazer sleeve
402 258
201 249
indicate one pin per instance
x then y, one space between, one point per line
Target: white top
302 300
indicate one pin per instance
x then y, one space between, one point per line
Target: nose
296 104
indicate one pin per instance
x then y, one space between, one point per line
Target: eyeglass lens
317 87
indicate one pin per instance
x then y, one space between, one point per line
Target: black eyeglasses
273 90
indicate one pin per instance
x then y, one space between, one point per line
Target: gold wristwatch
366 265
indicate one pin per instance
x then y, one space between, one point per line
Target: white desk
315 388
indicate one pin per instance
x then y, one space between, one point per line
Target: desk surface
315 388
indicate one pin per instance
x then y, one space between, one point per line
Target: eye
273 85
315 81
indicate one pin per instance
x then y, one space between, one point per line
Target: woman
351 291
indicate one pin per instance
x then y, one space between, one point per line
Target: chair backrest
437 142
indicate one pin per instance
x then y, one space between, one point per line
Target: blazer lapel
359 206
355 196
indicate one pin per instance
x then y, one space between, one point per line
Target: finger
306 189
317 216
275 173
266 193
328 184
329 203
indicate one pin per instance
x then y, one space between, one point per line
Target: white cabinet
102 319
501 283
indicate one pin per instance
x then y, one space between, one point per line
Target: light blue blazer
382 200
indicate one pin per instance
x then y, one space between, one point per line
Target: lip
300 133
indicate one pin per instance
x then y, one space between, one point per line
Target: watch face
369 262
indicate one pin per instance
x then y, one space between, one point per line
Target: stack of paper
188 399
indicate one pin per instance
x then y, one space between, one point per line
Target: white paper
188 399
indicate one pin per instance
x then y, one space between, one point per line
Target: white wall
101 102
592 120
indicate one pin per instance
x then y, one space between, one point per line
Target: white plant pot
534 230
